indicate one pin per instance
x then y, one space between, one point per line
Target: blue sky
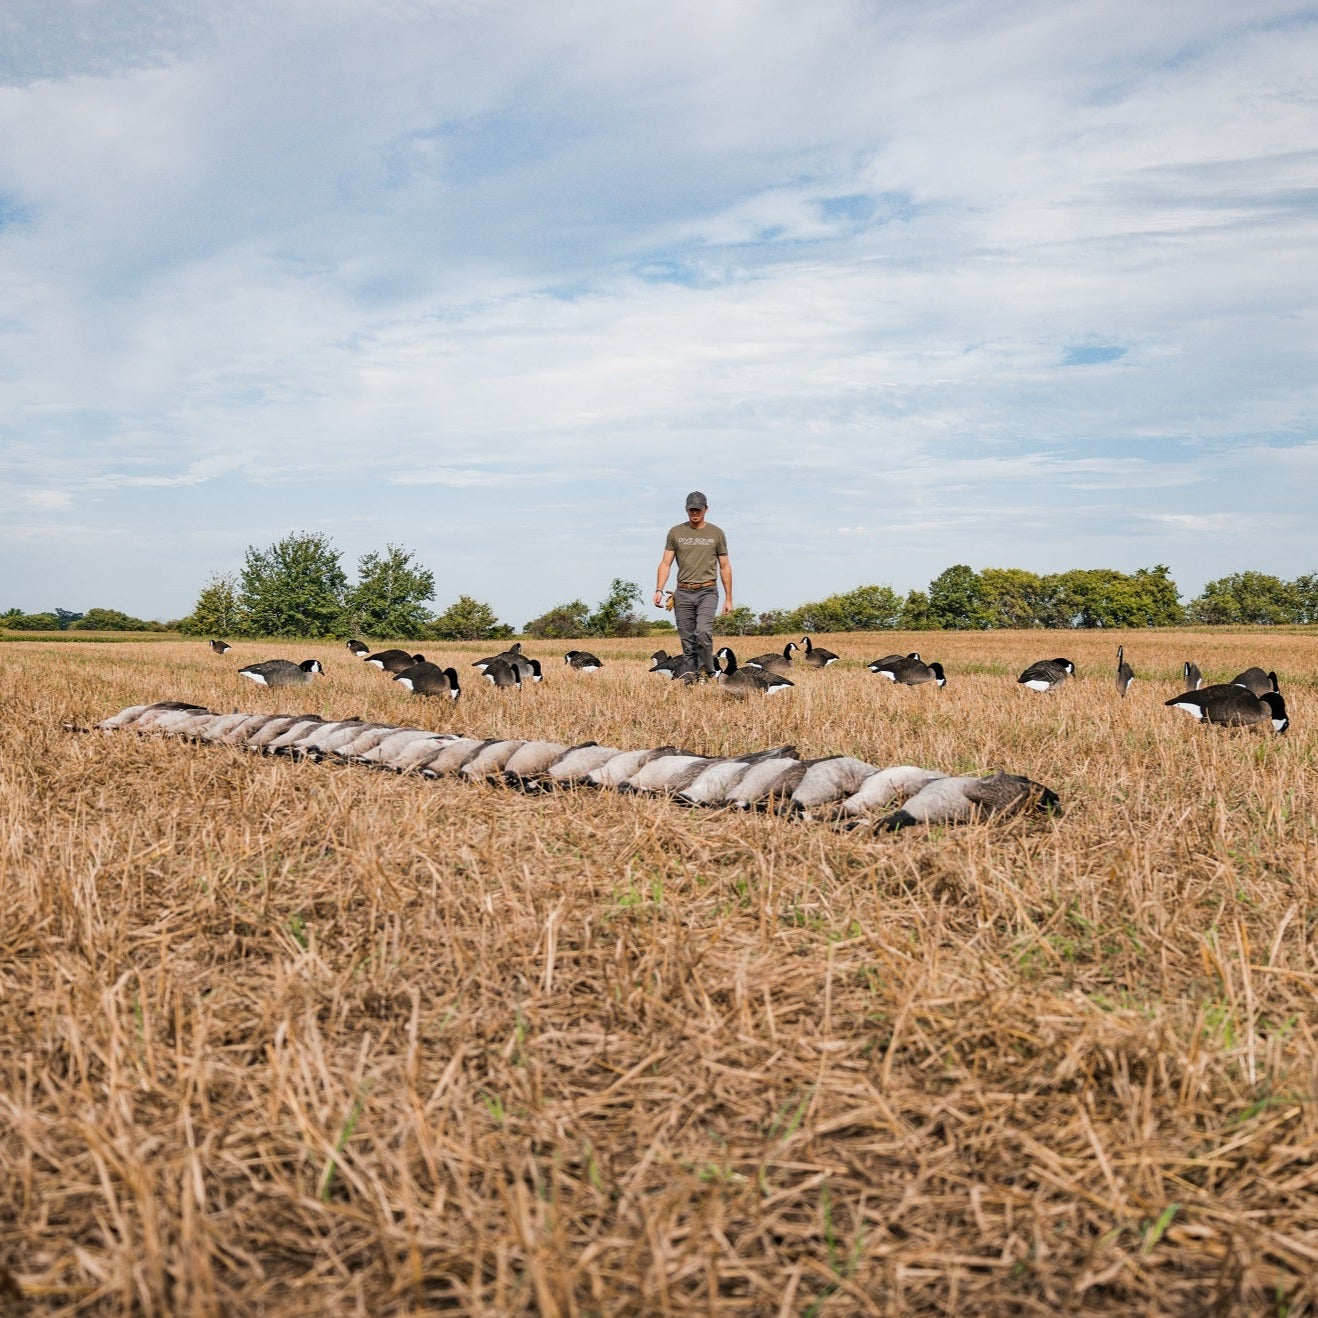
899 285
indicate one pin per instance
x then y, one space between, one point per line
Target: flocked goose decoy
816 656
745 681
1256 681
221 647
1194 679
960 799
583 661
773 662
1125 673
281 672
667 665
1046 674
427 679
909 670
358 649
502 674
394 661
1233 706
508 656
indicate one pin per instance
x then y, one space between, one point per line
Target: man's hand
727 604
658 599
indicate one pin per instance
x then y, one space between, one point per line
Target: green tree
390 596
1306 597
67 618
740 622
616 613
564 622
1011 597
915 612
294 588
1255 598
468 619
956 600
32 622
112 620
218 611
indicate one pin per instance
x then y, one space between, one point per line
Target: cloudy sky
899 285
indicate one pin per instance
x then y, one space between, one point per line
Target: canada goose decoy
527 669
394 661
964 798
667 665
281 672
1233 706
426 679
908 671
773 662
1256 681
888 660
1125 673
1194 679
583 661
744 681
358 649
508 656
816 656
501 674
1046 674
221 647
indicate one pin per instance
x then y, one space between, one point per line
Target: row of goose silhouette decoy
1252 697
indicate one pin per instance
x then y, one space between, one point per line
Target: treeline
298 588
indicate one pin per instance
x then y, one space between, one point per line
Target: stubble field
306 1039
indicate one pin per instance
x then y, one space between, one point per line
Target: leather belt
694 585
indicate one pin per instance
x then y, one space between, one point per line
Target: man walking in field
701 551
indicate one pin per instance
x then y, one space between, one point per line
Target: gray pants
693 613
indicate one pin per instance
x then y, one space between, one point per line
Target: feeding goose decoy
221 647
583 661
667 665
501 674
358 649
394 661
1046 674
427 679
281 672
508 656
1125 673
906 670
773 662
888 660
745 681
1233 706
1256 681
1194 679
816 656
528 670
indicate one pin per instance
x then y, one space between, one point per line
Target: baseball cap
696 500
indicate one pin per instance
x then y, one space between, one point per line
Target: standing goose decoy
773 662
665 664
358 649
508 656
815 655
583 661
1233 706
1125 673
426 679
743 681
221 647
1046 674
1256 681
1194 679
281 672
394 661
908 671
501 674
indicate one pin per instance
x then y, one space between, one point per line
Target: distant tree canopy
1253 598
298 587
615 615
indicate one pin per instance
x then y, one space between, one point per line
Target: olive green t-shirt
697 552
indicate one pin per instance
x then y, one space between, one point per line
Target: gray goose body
1233 706
747 681
1046 674
814 655
427 679
1125 673
1256 681
957 800
394 661
910 670
583 661
281 672
773 662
